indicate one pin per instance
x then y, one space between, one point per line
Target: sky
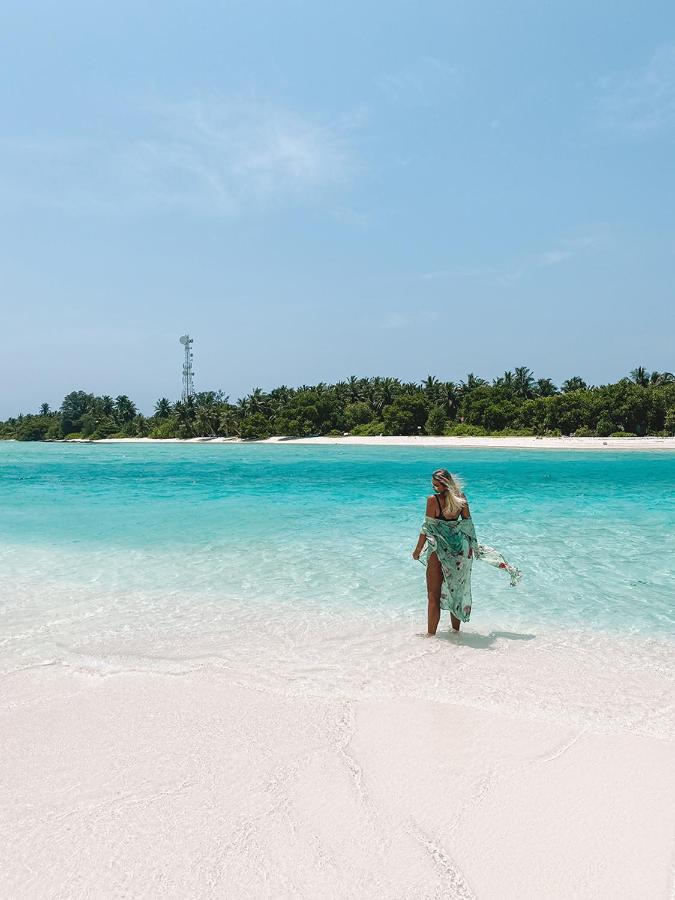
315 190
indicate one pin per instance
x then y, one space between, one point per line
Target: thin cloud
640 102
421 83
220 156
396 320
553 257
518 269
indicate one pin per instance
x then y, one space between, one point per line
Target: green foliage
622 434
574 384
514 403
545 388
436 421
670 420
162 408
125 410
254 428
462 430
75 405
164 428
372 429
358 413
406 415
33 428
513 432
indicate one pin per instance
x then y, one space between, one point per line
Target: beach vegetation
407 414
162 408
436 421
604 428
254 427
372 429
358 413
573 384
514 403
462 430
669 421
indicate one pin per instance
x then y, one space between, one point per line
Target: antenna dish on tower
188 383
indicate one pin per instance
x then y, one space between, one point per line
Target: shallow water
290 565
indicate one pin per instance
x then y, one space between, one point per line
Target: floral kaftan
455 544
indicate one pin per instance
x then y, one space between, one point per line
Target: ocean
289 566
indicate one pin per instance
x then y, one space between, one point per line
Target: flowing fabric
455 544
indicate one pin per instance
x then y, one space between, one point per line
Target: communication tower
188 383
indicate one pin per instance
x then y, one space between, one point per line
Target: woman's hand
416 553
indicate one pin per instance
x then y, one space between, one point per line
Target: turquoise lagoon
293 562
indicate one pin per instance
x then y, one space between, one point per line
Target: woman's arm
431 513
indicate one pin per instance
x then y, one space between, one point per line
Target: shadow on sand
482 641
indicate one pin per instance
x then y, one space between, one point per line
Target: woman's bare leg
434 584
455 622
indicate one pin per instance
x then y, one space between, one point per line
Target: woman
451 545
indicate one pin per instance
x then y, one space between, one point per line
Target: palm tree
430 387
505 381
545 388
44 409
661 378
383 392
227 418
574 384
184 411
355 388
163 408
447 398
472 382
523 382
207 414
125 409
640 376
339 391
257 401
107 405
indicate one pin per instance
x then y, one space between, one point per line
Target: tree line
516 403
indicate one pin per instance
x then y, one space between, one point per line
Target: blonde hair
454 500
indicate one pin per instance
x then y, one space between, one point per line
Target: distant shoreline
485 443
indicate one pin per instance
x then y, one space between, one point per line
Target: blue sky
315 190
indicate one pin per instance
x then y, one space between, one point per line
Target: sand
511 443
144 784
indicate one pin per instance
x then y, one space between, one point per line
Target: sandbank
510 443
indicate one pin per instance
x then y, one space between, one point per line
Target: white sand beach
201 784
510 443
